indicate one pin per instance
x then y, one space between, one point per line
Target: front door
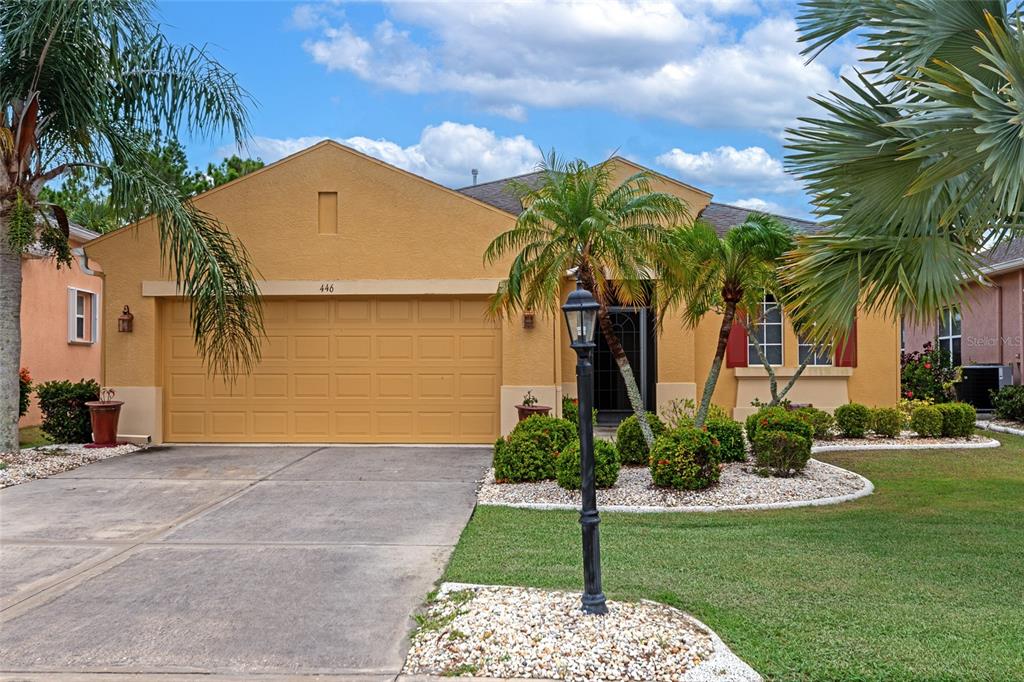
635 330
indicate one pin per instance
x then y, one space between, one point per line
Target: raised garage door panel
344 370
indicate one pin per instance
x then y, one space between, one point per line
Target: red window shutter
846 349
736 349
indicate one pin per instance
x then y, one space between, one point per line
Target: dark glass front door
635 330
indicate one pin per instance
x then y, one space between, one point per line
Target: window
949 333
813 354
768 333
83 316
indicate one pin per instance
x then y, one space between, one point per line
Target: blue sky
700 90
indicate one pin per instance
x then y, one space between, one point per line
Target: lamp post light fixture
581 316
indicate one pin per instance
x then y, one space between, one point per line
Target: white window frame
73 317
822 356
759 330
945 341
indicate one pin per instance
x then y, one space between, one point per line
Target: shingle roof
497 193
1003 254
724 216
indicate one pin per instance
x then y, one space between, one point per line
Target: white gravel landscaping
738 488
908 440
516 632
47 460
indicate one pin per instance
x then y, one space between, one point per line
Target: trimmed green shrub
686 458
729 434
957 419
755 419
518 458
926 421
786 421
606 465
550 433
1008 403
571 410
853 420
65 416
821 422
25 390
630 440
886 421
781 453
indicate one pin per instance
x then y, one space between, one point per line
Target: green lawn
32 436
923 580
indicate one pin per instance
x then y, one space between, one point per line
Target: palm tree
921 164
86 85
611 236
722 274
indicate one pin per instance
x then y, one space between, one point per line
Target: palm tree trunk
716 365
773 382
625 369
10 340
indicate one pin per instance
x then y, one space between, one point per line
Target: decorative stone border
867 489
999 428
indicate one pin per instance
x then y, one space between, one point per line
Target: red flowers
927 365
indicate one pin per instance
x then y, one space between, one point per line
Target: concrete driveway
240 561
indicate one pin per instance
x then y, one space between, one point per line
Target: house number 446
327 288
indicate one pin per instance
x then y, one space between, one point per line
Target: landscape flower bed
516 632
47 460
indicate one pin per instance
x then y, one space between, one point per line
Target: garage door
344 370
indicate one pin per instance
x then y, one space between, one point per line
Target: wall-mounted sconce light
528 319
124 320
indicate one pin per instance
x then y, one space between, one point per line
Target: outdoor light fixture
581 316
124 320
528 319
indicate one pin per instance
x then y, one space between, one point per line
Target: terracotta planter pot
529 410
104 415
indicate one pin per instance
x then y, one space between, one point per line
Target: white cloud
752 168
652 59
756 204
445 153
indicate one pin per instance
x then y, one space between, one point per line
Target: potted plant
530 407
104 414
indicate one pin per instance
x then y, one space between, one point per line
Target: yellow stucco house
374 294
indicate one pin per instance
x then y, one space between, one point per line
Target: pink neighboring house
988 326
60 320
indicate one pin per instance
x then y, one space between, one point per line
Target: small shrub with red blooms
928 374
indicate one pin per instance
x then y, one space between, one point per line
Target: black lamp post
581 315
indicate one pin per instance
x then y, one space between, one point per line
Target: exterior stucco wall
394 227
45 350
991 331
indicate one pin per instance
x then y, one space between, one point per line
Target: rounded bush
957 419
887 421
781 453
729 434
1008 403
853 420
821 422
926 421
686 458
630 440
550 433
518 459
65 416
755 419
606 465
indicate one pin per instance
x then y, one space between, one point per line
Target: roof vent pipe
475 173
